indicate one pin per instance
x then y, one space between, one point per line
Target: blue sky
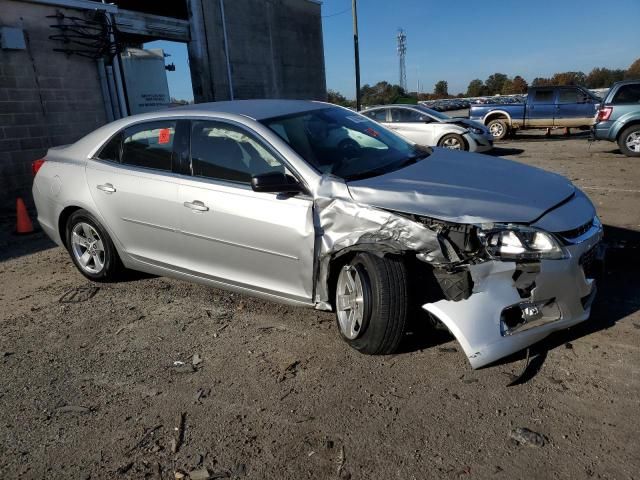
458 41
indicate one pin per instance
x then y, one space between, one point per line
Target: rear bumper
561 297
603 131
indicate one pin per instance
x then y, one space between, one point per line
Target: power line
341 12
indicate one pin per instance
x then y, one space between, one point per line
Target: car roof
255 109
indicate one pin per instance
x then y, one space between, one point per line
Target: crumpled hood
466 188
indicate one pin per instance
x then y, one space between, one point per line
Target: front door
231 234
412 125
136 192
575 108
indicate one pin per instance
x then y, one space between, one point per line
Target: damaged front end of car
500 286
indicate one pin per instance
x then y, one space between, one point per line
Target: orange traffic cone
23 223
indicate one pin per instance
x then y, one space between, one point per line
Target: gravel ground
90 388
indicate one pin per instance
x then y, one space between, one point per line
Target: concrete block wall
275 47
46 98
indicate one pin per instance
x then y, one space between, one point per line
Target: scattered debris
145 437
568 346
73 409
341 459
448 349
286 394
524 436
200 474
125 468
78 294
196 360
200 394
181 367
176 443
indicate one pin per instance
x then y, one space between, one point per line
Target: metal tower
402 52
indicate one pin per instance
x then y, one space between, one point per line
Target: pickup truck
618 119
545 107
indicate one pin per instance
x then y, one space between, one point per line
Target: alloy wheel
452 143
87 247
350 302
633 142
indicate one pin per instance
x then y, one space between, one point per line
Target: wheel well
494 116
464 140
62 222
622 129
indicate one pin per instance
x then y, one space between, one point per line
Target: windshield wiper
414 159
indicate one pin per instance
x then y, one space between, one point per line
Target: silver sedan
315 205
426 126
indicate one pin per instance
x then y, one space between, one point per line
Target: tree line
497 84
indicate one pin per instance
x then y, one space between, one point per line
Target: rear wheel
91 248
453 141
498 128
371 303
629 141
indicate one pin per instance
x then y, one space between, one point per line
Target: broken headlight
514 242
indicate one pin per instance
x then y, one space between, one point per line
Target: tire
85 235
453 141
379 306
629 141
498 128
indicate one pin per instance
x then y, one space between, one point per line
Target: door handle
106 188
196 205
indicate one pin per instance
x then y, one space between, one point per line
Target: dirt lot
88 386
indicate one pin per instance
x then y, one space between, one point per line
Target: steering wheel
349 148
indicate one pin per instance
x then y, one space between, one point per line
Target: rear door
574 108
134 186
231 234
412 125
541 107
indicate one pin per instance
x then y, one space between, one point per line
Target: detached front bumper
479 143
553 295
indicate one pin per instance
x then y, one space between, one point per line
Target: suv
618 119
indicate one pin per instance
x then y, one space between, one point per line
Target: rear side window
627 94
543 96
111 151
224 152
377 115
149 145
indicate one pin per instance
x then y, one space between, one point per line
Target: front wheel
629 141
498 128
91 248
371 301
453 141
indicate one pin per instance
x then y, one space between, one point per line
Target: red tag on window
164 135
372 132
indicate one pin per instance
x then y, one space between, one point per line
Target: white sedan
428 127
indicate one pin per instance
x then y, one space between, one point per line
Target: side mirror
275 182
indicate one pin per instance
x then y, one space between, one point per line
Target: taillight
604 114
35 165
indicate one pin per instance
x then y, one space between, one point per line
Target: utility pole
356 51
402 53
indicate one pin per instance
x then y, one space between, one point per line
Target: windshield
344 143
